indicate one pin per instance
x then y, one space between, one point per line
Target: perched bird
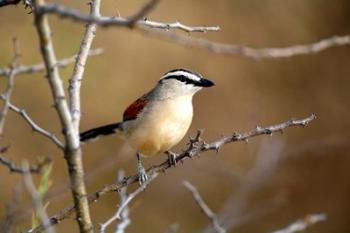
158 120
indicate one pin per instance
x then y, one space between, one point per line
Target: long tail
100 131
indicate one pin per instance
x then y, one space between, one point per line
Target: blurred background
259 186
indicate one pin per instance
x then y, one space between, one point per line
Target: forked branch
72 149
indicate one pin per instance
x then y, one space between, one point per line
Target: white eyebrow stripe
180 72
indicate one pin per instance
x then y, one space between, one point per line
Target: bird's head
183 82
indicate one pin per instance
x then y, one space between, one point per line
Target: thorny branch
142 12
249 52
196 146
29 69
19 169
72 149
10 84
79 67
302 224
204 207
148 27
124 215
125 203
75 15
35 127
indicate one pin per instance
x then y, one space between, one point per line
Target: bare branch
72 150
28 181
192 150
204 207
142 12
75 15
10 85
255 132
232 49
6 98
35 127
302 224
249 52
124 215
79 67
148 25
125 203
29 69
19 169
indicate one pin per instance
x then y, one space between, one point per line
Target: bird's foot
142 175
171 158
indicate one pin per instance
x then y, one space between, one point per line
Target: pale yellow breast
161 126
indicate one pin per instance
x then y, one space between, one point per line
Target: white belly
161 126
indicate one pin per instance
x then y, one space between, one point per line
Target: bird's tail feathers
105 130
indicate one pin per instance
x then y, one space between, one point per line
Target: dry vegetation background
258 186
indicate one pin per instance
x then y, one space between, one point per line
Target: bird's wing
134 109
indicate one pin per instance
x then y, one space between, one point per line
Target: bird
159 119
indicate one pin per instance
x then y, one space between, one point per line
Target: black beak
206 83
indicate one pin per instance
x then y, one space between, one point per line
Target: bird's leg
141 172
171 158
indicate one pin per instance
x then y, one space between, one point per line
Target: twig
35 127
6 98
125 203
28 181
302 224
19 169
256 132
149 24
249 52
72 150
204 207
79 67
29 69
75 15
192 150
124 215
142 12
10 85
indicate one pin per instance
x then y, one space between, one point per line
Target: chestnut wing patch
134 109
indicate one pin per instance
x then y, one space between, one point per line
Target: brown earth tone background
258 186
